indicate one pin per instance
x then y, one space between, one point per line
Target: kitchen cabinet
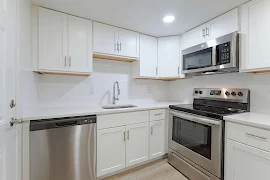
220 26
147 65
254 36
168 57
115 42
244 162
156 144
137 146
111 150
61 43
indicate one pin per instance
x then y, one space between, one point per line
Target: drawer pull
260 137
158 114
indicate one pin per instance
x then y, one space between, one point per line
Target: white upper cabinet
79 44
105 39
52 40
220 26
128 43
168 57
109 40
224 24
61 43
255 36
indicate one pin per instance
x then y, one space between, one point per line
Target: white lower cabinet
156 144
244 162
111 148
137 143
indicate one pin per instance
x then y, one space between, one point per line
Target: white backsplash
259 86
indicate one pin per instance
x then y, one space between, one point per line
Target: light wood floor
159 170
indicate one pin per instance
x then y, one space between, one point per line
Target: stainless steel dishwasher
63 149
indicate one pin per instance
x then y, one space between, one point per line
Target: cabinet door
79 44
52 39
110 150
105 39
223 25
168 56
148 56
196 36
254 35
129 43
156 139
137 144
244 162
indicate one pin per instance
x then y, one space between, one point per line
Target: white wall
60 91
259 86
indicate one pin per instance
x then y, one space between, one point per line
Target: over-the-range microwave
218 55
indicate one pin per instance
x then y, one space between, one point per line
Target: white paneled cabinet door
9 167
110 150
105 39
244 162
196 36
156 139
79 45
52 39
137 143
148 56
168 57
128 43
255 36
223 25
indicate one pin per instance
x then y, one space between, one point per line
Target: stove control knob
233 93
227 93
240 94
200 92
196 92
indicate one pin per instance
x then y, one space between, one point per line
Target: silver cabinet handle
124 135
128 135
15 121
120 46
207 31
252 135
69 60
178 70
152 130
158 114
116 46
65 61
156 71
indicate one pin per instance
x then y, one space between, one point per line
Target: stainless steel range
196 131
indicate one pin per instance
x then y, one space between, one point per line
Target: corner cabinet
254 36
111 42
62 44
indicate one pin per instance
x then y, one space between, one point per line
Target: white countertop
56 112
251 119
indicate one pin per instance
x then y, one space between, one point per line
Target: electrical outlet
150 90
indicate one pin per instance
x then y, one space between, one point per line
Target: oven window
198 59
192 135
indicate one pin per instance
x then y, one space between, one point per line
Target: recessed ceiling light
168 19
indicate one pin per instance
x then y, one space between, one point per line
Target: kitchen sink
119 106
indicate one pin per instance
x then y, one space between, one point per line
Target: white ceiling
145 16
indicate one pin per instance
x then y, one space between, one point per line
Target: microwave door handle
214 55
196 119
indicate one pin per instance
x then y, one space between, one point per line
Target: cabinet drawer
255 137
156 115
122 119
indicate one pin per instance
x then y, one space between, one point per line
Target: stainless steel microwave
218 55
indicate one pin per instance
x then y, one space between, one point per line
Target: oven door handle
196 119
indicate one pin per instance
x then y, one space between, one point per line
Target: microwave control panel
223 53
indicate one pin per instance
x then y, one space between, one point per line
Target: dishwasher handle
64 124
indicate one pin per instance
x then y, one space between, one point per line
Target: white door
168 56
110 150
8 45
148 56
254 35
223 25
243 162
156 139
137 143
196 36
52 40
129 43
105 39
79 45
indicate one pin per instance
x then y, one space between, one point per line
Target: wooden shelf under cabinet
114 58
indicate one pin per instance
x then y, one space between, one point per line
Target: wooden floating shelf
113 58
64 73
161 79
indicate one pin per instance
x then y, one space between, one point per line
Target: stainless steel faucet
118 92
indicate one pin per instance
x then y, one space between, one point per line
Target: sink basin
119 106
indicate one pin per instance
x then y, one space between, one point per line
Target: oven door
197 138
